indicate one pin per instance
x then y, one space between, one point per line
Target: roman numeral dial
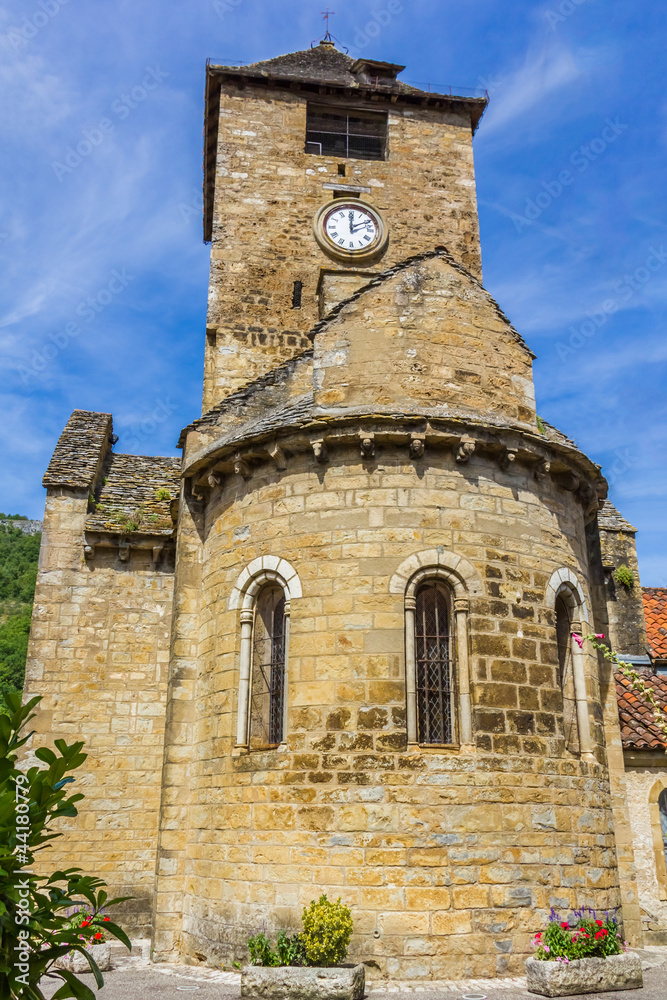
349 229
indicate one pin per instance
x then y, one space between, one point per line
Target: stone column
579 675
410 669
247 616
461 609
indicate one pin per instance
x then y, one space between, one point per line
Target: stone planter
584 975
295 983
76 962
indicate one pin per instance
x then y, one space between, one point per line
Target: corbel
89 551
542 469
417 445
367 444
157 553
278 456
465 449
568 481
241 467
320 450
214 480
588 495
123 550
507 458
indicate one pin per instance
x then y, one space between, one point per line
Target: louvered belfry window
268 669
434 682
351 134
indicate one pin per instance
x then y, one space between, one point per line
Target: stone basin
584 975
345 982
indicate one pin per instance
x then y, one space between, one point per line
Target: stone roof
612 520
655 612
638 731
80 448
128 496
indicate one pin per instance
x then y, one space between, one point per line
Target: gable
424 335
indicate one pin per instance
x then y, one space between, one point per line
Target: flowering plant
582 935
659 717
90 926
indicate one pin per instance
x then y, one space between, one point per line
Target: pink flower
599 635
579 641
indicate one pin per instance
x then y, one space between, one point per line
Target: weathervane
327 38
325 17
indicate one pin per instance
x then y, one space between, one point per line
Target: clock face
351 228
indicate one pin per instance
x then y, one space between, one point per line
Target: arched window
433 664
267 682
565 597
658 816
263 593
564 610
662 805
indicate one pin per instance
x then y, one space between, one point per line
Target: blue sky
105 275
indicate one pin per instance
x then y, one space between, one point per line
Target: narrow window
296 294
268 670
360 135
662 805
565 672
433 661
341 170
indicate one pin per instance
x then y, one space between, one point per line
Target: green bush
36 924
327 929
625 576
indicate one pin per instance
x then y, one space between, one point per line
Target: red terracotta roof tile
638 730
655 612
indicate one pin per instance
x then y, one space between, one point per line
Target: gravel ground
135 979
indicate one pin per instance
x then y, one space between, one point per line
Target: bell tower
285 140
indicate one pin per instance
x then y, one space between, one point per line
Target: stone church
329 649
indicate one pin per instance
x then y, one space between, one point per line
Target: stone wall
267 193
625 606
646 773
98 655
448 858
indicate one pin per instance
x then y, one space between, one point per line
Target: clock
350 229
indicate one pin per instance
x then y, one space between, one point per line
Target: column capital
410 603
247 615
461 605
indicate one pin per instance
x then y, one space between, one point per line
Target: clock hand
350 216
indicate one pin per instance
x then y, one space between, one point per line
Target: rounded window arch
262 593
565 597
658 813
436 586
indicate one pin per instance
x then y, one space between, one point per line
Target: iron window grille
433 655
358 135
268 670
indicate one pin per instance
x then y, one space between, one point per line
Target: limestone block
338 983
585 975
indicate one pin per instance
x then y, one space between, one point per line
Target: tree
35 926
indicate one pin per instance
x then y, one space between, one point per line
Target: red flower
98 936
599 923
107 918
601 934
85 923
538 935
565 925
